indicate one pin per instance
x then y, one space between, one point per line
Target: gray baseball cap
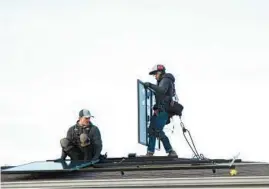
85 113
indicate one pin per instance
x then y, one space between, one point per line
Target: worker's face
157 76
84 121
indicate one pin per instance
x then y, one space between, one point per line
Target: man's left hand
147 84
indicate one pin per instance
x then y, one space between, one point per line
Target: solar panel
43 166
142 114
146 100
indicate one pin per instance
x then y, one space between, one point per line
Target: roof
151 175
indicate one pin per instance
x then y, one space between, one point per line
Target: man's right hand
84 140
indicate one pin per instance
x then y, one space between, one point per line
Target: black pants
76 152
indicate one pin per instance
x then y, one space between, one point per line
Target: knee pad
84 140
65 144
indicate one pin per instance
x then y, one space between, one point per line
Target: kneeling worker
83 140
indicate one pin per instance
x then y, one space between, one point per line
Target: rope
192 147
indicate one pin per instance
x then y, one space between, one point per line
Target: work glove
62 158
147 84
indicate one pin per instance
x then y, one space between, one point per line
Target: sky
57 57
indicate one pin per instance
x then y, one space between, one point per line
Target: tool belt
175 108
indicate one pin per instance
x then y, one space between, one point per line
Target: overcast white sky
57 57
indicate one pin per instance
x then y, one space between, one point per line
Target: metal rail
129 168
227 182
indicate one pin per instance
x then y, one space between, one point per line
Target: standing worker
164 93
83 140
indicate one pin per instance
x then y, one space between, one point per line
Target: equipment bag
175 108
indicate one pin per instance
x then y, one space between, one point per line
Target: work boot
149 154
172 153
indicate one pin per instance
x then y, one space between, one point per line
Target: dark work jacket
93 133
164 91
